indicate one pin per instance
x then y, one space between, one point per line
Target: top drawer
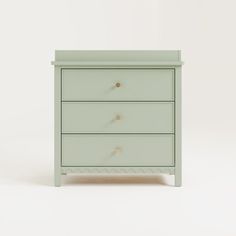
117 84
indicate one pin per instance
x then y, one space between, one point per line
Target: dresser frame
115 60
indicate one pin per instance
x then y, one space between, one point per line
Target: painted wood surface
121 57
118 117
178 128
117 150
118 84
119 170
146 77
57 127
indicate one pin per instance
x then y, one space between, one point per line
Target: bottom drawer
117 150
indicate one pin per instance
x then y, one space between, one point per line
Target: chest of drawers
117 112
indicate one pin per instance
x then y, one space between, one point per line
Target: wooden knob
117 150
118 84
118 117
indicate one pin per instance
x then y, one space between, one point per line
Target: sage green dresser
117 113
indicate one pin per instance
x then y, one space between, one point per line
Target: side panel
178 136
57 126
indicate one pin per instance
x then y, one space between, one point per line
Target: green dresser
118 113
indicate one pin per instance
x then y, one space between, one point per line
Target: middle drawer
118 117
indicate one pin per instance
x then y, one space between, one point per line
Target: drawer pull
116 151
118 117
118 84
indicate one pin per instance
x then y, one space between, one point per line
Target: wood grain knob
118 117
117 150
118 84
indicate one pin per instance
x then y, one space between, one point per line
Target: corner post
178 136
57 126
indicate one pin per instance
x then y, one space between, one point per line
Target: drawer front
118 117
117 84
118 150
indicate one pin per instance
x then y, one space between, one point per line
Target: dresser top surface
117 57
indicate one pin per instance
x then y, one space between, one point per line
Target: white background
30 31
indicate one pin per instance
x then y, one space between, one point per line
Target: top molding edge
119 58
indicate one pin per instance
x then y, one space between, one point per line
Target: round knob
118 117
117 150
118 84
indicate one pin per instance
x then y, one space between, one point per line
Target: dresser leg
178 179
57 180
